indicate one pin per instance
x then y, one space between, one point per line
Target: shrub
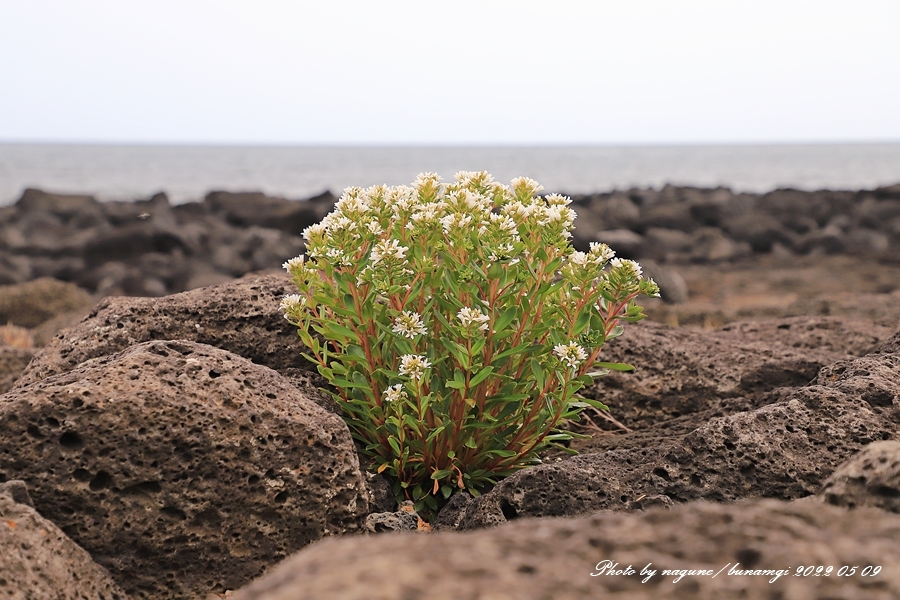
457 325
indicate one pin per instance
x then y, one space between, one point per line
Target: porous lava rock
240 316
681 372
13 361
870 478
568 559
39 562
182 468
784 449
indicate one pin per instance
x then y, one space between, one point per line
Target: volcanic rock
181 468
568 559
240 316
39 561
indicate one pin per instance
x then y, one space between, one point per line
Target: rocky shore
162 438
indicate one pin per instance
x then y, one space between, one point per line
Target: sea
187 173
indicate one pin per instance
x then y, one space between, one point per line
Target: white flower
314 231
413 365
291 305
558 200
455 221
294 264
387 249
524 185
579 258
619 263
409 324
423 179
394 393
602 252
374 227
560 213
504 223
572 354
468 316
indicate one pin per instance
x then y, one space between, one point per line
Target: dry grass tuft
15 336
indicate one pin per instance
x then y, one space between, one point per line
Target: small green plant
459 325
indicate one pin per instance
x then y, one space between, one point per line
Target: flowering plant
458 325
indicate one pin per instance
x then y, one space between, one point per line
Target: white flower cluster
291 305
469 316
413 365
388 249
629 265
395 393
571 354
409 324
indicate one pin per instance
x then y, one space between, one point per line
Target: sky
489 72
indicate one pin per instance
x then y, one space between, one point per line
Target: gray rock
555 558
627 244
40 562
18 491
392 522
870 478
672 287
181 468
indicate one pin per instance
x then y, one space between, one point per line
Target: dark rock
180 467
710 244
248 209
665 244
672 287
453 512
39 561
829 240
77 211
668 216
627 244
782 450
555 558
241 317
874 213
870 478
32 303
759 229
682 372
865 241
754 426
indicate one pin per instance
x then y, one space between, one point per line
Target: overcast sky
463 72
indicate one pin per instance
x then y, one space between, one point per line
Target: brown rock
870 478
761 442
181 468
32 303
555 558
12 363
240 316
682 371
39 562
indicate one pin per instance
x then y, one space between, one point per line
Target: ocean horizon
188 172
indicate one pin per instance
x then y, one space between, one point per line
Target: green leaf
442 474
481 376
395 445
614 366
